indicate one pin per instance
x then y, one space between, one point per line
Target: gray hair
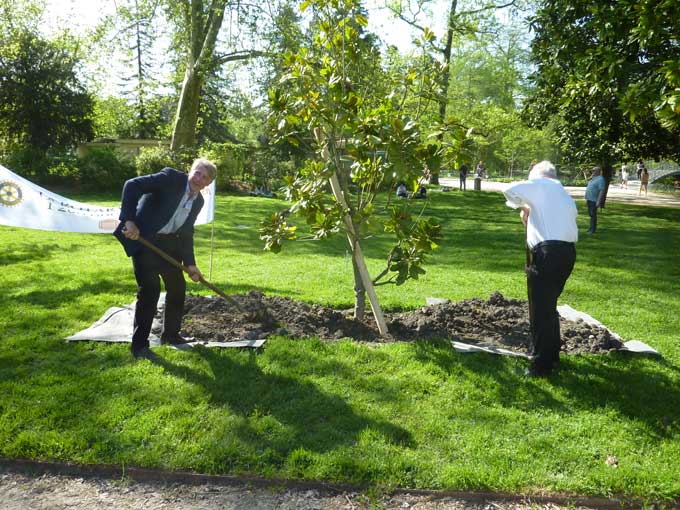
208 165
543 169
597 170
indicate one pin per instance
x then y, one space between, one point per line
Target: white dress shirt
552 215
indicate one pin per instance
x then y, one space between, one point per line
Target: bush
104 169
230 159
27 161
153 159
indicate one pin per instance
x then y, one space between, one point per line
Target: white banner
24 204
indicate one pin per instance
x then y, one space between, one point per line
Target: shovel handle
184 268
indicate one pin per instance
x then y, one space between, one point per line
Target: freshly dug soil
497 322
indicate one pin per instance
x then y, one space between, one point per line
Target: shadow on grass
27 252
314 420
638 387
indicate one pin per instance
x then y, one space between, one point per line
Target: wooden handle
184 268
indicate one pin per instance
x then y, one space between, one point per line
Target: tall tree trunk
204 23
444 96
607 171
184 131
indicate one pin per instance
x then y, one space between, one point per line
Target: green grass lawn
415 415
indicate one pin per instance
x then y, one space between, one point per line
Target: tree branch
238 55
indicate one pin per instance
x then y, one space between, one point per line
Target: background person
624 176
595 187
644 181
549 215
462 174
162 208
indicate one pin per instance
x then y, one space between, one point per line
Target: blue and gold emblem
10 193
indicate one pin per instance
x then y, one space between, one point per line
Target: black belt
167 236
552 243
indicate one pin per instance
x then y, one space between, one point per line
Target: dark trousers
551 265
592 212
149 268
462 182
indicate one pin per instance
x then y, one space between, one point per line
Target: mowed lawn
415 415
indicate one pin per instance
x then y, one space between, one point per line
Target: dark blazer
150 201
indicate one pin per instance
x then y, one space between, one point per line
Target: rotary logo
10 193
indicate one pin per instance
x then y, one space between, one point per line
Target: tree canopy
608 77
42 101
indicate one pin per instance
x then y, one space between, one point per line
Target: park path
57 491
615 194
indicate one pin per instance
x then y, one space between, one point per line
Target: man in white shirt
549 215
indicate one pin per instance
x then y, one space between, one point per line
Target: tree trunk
359 293
444 96
607 174
184 131
358 258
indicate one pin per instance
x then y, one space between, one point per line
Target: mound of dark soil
497 321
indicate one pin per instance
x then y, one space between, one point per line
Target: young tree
357 147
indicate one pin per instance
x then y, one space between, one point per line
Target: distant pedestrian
644 181
595 188
462 174
624 176
639 167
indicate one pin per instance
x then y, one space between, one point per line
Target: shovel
178 265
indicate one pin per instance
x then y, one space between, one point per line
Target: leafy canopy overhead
609 77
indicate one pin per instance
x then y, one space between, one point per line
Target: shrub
153 159
104 169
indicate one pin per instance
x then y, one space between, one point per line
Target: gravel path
54 491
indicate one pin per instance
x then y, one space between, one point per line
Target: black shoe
145 353
175 340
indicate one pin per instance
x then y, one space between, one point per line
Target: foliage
103 168
606 75
152 159
42 102
133 29
363 140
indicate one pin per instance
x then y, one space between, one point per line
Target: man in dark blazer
162 208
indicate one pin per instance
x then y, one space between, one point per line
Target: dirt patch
496 321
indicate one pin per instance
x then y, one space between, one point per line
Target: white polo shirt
552 215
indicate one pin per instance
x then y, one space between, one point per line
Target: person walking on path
644 181
462 174
595 188
162 208
549 215
639 167
624 176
